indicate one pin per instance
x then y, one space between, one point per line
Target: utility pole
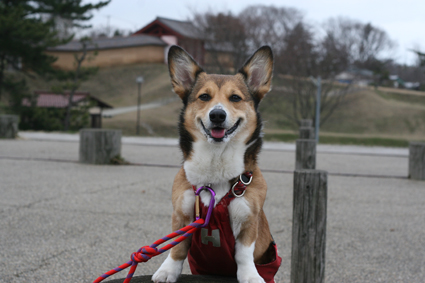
318 83
108 27
139 81
319 89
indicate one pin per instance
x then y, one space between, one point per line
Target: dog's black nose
217 116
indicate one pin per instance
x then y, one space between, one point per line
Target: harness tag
214 238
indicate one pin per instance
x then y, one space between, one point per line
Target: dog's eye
205 97
235 98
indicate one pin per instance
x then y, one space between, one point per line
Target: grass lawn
343 140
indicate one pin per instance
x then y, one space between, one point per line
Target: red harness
212 251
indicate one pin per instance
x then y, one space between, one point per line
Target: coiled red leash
145 253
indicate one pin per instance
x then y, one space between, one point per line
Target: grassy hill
372 116
118 86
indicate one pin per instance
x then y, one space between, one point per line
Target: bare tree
299 55
362 43
268 25
421 58
298 98
225 40
71 80
103 31
300 52
304 58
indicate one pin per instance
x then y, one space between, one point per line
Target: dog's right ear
183 71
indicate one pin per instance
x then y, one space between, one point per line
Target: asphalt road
61 221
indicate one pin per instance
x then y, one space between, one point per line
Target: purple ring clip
210 207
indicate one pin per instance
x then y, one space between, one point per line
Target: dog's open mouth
218 133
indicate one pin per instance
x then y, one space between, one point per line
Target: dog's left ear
183 71
258 72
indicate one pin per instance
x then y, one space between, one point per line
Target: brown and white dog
220 137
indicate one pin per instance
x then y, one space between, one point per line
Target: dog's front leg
247 272
245 229
244 256
171 268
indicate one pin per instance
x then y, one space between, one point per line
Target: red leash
145 253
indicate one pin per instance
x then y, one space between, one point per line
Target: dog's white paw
249 275
244 256
169 271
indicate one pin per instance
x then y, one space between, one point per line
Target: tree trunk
309 226
98 146
79 61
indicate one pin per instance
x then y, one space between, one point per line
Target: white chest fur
215 164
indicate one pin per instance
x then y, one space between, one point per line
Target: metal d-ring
247 183
233 191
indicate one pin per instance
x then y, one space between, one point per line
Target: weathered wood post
309 226
183 278
305 155
417 160
9 126
306 129
99 146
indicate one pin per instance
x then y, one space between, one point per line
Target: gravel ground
62 221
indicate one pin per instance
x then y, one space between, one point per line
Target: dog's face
220 108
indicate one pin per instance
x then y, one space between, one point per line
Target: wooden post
306 133
307 123
305 157
417 160
306 129
99 146
182 278
9 126
309 226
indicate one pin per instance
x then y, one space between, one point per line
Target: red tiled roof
172 27
48 99
54 100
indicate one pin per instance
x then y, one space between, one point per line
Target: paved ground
61 221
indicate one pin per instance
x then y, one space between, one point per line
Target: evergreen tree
29 27
421 58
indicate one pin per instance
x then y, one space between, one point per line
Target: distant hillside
117 86
369 113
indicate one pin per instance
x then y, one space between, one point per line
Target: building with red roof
48 99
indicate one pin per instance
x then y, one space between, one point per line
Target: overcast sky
404 21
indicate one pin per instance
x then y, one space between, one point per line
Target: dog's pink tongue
217 133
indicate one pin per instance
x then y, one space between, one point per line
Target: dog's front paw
169 271
249 275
